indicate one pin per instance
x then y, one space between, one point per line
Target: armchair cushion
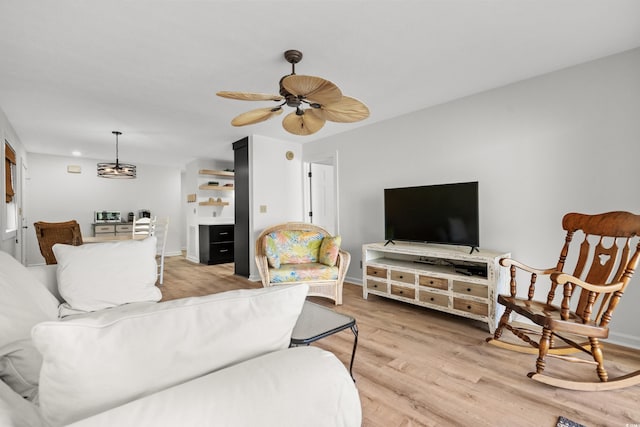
25 302
329 249
97 361
271 252
300 272
296 246
97 276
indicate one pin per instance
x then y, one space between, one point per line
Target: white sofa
217 360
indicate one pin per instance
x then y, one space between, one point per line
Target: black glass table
316 322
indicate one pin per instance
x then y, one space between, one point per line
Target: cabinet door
221 233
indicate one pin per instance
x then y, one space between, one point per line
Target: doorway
321 198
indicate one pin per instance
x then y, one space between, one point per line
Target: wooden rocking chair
604 267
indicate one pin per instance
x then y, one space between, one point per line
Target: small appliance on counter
106 216
144 213
131 217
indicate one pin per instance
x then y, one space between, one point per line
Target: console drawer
433 298
433 282
376 271
470 289
124 228
403 276
403 291
471 306
375 285
104 229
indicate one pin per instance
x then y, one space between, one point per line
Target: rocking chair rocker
605 251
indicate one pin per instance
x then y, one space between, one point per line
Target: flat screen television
445 214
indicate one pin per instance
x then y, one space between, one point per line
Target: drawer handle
432 299
431 282
401 276
468 307
223 233
375 286
401 292
375 273
224 250
468 289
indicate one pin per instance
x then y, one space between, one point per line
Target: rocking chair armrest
606 288
507 262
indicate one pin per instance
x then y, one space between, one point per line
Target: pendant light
116 170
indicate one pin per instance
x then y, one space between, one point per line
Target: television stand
439 277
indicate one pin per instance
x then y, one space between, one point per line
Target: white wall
561 142
55 195
275 183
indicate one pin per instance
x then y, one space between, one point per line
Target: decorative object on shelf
117 170
191 198
323 101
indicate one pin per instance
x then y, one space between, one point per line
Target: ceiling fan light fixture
116 170
325 101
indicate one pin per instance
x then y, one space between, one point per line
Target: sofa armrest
272 383
46 274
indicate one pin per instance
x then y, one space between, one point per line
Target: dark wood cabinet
216 244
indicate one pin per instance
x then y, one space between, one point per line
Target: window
11 217
9 171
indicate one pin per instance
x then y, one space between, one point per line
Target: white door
322 196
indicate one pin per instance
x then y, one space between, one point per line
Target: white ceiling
72 71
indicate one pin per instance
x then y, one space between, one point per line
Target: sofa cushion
16 411
329 249
101 275
25 302
301 272
99 361
297 246
292 387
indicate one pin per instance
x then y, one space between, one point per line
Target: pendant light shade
116 170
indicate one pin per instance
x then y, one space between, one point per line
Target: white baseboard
624 340
354 280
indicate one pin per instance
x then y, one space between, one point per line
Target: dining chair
50 233
160 231
143 226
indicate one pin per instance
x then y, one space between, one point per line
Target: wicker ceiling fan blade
313 89
347 110
248 96
255 116
305 124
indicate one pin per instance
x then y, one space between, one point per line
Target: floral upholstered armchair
297 252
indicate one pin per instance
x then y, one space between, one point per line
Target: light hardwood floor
419 367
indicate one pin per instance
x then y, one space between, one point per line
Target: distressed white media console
441 277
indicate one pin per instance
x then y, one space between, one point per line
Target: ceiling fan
315 99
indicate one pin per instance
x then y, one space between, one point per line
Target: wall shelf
216 187
212 172
210 203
